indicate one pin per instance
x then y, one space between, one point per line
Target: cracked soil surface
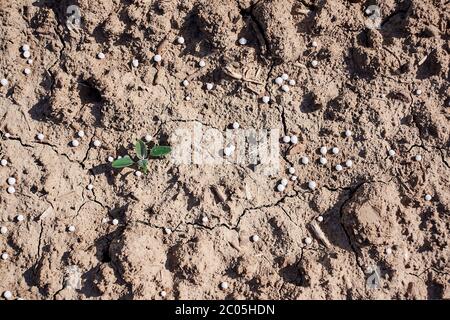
374 214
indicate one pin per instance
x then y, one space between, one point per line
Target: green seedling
142 154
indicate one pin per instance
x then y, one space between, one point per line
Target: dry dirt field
374 84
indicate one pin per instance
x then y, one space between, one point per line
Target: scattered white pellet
25 47
40 136
75 143
71 228
391 152
27 71
292 82
428 197
3 162
335 150
188 98
308 240
305 160
323 150
284 76
180 40
285 88
185 82
97 143
26 54
314 44
224 285
255 238
163 294
5 256
349 163
279 81
338 167
235 125
348 133
115 222
135 63
80 133
242 41
101 55
265 99
291 170
157 58
4 82
281 187
20 218
228 151
418 157
90 186
3 230
167 230
284 182
209 86
323 160
294 139
320 218
205 219
138 173
312 185
148 137
110 159
286 139
11 181
418 92
315 63
30 61
11 189
388 251
201 63
7 295
7 135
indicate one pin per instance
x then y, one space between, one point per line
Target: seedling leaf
159 151
143 164
122 162
141 149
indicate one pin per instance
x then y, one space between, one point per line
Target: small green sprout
142 156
